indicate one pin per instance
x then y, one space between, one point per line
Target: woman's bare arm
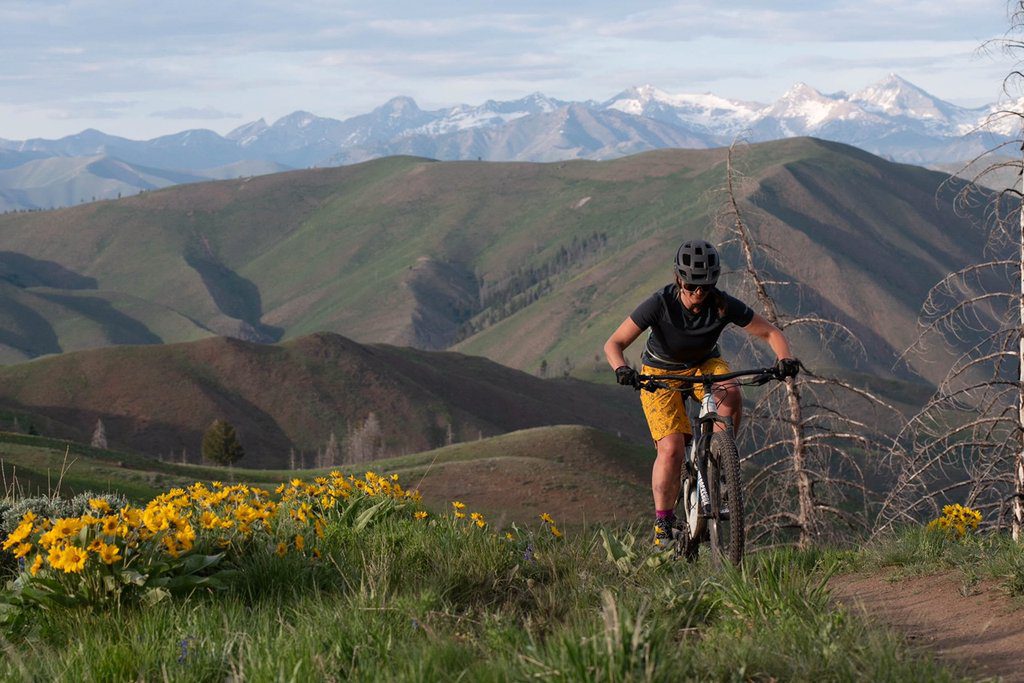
621 338
762 329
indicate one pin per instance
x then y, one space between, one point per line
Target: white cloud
842 21
92 109
195 113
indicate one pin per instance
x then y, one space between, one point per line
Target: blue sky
142 69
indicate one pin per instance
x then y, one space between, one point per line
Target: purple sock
665 514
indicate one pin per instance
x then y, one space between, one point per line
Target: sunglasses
693 288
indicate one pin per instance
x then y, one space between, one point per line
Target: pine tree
221 445
99 435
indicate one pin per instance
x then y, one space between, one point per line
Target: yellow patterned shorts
665 409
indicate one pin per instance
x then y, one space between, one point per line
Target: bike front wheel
689 518
725 518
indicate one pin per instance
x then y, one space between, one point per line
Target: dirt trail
977 629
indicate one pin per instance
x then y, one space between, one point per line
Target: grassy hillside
523 263
160 399
579 474
326 591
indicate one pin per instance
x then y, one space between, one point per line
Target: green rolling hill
531 265
158 399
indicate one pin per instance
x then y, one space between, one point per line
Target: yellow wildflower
109 525
23 531
67 527
37 564
23 550
547 518
555 532
109 554
300 542
458 505
185 537
281 549
155 519
99 505
73 559
132 517
420 514
171 546
209 520
55 556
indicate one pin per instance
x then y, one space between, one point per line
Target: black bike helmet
697 263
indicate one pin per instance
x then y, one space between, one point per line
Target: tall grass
409 600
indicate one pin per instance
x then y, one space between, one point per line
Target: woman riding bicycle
685 319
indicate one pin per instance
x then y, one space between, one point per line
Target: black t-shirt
679 338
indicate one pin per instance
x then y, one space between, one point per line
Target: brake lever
652 385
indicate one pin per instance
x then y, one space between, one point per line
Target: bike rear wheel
725 519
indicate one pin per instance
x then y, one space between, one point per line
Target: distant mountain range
892 118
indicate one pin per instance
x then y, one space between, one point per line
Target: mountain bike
710 503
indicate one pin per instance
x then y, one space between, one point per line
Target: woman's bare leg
667 468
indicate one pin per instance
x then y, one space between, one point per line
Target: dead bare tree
802 434
967 443
99 435
364 442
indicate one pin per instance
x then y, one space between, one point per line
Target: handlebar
655 382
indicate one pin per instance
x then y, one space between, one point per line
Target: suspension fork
700 447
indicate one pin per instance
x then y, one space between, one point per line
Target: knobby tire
687 539
727 536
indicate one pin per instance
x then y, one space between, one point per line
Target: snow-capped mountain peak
246 133
399 106
297 119
895 96
803 108
705 111
539 102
